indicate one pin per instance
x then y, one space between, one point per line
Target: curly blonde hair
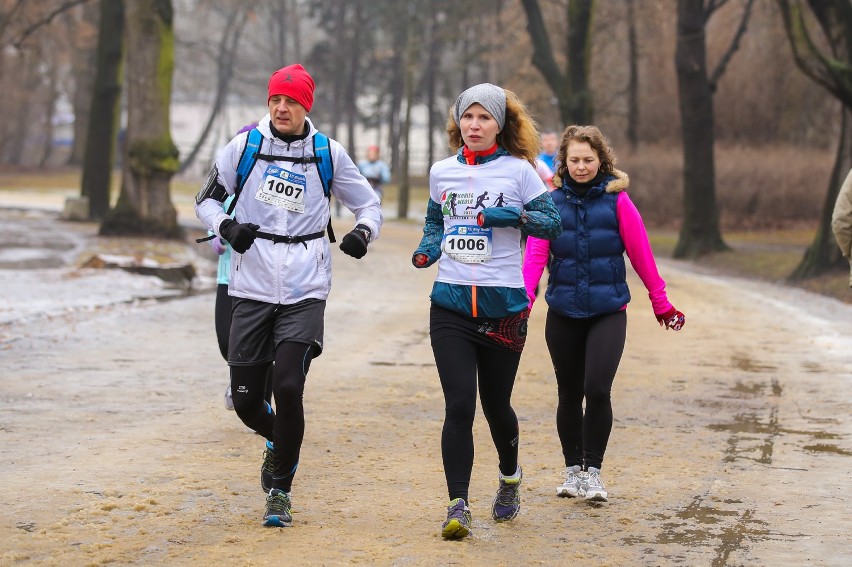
519 135
596 140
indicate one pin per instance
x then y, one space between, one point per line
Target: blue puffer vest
588 276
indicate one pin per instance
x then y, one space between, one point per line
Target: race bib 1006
282 188
468 244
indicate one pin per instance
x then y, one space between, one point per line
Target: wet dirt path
731 444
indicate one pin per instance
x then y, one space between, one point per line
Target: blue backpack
321 157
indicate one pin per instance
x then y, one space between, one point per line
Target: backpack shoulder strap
325 166
247 161
322 150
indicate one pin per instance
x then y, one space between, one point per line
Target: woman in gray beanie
482 200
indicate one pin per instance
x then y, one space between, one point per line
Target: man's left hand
355 242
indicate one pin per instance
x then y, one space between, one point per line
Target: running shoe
458 521
507 503
571 486
229 400
278 510
593 487
267 468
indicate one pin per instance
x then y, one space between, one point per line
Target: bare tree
699 232
144 204
831 68
571 85
104 111
235 22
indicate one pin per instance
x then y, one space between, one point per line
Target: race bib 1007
468 244
282 188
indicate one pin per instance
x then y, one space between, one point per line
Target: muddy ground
731 444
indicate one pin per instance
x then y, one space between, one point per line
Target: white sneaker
229 400
571 486
593 487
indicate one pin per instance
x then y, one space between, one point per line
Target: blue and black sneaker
458 521
277 510
507 503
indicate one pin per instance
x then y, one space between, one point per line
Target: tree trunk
104 110
83 64
144 204
633 77
396 87
700 231
823 255
578 57
50 113
410 62
431 86
352 77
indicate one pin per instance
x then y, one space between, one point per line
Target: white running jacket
287 273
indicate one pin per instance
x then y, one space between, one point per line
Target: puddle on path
700 525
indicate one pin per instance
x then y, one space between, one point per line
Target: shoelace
595 480
458 512
279 503
506 494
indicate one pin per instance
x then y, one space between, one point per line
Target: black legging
458 361
286 426
222 318
585 355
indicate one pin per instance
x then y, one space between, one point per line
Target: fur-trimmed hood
617 185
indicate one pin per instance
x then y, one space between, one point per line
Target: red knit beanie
295 82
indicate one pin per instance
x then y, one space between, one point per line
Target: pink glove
218 245
672 319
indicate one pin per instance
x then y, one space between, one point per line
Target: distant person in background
545 173
841 221
375 170
587 298
549 148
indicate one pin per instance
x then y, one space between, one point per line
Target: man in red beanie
281 269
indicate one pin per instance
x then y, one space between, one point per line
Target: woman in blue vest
587 297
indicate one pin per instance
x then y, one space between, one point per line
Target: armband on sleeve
212 189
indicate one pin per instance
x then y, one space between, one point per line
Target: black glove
239 235
355 241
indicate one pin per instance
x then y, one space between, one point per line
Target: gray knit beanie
491 97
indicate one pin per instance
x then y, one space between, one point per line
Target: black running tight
459 360
585 355
222 318
286 426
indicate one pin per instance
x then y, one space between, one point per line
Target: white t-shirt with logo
472 255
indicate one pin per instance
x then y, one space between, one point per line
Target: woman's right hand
419 260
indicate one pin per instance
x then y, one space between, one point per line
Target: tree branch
735 45
542 53
45 21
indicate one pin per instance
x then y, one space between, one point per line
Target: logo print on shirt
453 200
